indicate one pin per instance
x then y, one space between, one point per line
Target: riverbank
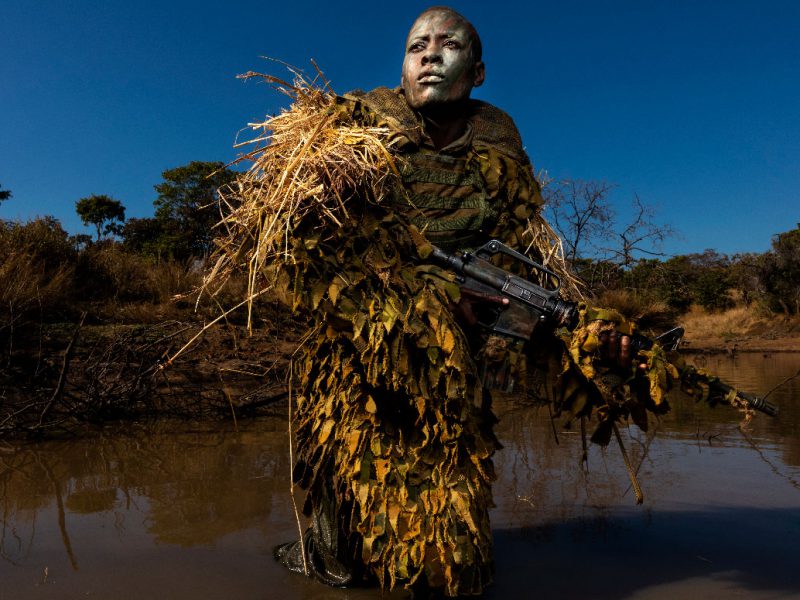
739 329
57 379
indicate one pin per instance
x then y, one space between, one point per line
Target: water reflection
185 487
760 373
193 511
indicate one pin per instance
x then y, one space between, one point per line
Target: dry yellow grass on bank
740 329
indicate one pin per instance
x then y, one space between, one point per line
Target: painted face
438 66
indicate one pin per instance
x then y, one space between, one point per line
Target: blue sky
692 105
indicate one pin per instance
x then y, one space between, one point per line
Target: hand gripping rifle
531 305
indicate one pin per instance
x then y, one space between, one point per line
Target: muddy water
192 511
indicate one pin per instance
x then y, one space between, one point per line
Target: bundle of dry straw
306 159
544 242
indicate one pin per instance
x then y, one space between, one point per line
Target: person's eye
452 44
415 47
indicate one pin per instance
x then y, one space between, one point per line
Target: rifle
532 305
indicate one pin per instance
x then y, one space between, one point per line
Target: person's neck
445 123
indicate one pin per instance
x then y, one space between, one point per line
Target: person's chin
429 99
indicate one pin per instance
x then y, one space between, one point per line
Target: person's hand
616 350
471 302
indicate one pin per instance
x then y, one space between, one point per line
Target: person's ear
480 74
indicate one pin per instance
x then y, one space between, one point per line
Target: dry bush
230 293
723 326
36 268
27 286
171 281
43 238
142 313
113 273
131 288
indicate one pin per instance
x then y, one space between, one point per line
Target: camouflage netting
391 420
591 389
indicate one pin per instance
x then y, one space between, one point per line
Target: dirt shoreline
69 377
739 330
706 346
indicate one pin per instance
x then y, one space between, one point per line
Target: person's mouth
430 77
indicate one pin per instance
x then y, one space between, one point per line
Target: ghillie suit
394 431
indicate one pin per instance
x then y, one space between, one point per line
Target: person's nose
432 54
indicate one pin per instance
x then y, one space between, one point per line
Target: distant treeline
768 281
134 269
131 270
623 261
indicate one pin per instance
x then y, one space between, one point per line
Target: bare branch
580 212
642 235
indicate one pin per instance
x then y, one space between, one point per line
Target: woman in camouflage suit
394 429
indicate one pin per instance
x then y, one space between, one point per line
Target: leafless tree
583 215
641 236
580 213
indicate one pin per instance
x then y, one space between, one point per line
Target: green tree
599 275
187 207
146 236
683 280
780 272
712 280
105 213
745 275
663 281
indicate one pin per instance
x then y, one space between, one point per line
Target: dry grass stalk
291 474
545 242
304 160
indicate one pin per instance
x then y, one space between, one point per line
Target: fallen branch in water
62 378
103 374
